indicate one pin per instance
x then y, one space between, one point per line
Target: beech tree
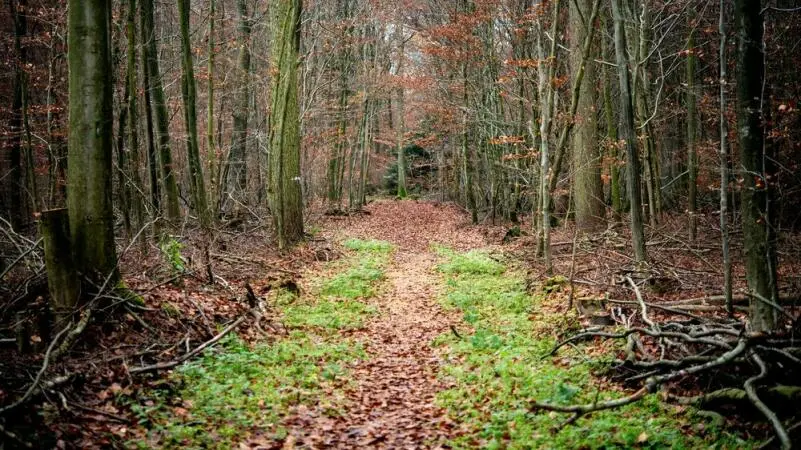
285 188
755 206
89 200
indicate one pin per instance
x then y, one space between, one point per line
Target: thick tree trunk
236 167
91 219
285 188
627 133
156 90
189 93
587 186
758 235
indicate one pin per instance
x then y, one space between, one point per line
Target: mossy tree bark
236 166
189 94
91 219
285 182
758 235
156 90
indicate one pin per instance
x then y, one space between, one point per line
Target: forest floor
422 331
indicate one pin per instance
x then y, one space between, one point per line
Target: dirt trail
392 405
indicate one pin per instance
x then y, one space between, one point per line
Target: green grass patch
328 314
365 270
236 389
498 369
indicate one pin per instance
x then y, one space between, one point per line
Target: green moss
498 370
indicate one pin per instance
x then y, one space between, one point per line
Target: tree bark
189 94
758 235
587 186
627 133
156 90
91 219
62 280
236 167
285 182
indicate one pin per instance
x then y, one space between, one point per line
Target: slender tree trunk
91 219
236 170
724 163
152 154
14 183
132 172
156 89
545 131
189 94
285 182
400 123
758 235
692 126
211 150
628 134
611 132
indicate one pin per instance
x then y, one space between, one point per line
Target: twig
750 390
643 308
141 321
185 356
650 386
13 436
38 377
20 257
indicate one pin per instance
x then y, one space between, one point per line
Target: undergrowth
239 391
498 368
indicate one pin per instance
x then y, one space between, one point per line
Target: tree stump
62 278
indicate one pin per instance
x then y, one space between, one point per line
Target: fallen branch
650 386
200 348
781 433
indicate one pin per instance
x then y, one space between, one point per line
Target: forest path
392 402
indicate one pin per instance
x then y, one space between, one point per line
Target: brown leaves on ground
392 402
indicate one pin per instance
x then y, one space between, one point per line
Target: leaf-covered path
392 402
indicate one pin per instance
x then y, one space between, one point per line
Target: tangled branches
664 352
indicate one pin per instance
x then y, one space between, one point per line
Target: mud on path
392 403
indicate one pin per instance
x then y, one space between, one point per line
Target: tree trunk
189 94
692 125
758 237
211 150
627 133
400 123
91 219
548 89
285 188
156 90
724 164
236 167
62 280
587 186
